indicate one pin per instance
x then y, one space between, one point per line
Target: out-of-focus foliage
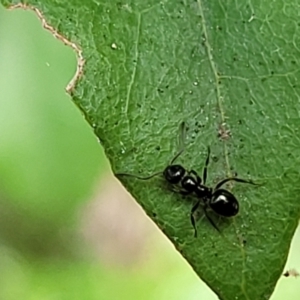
49 157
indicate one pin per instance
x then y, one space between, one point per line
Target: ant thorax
189 183
203 191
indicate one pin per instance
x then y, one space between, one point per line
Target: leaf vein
133 75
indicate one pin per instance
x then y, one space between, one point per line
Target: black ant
221 201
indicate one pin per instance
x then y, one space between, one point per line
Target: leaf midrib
223 123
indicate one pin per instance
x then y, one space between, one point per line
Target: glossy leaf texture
230 69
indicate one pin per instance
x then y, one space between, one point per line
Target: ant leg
178 190
206 164
182 133
138 177
184 193
233 179
196 175
194 208
210 219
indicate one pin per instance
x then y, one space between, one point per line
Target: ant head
174 173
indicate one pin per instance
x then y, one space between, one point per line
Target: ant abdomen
224 203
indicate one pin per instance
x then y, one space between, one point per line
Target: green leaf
230 70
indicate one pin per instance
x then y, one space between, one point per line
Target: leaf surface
230 70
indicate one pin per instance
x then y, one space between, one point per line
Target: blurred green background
68 230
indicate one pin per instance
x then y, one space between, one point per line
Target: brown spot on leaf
223 133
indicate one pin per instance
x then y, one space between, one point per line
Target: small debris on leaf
291 273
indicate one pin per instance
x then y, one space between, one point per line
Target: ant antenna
138 177
233 179
182 135
204 176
